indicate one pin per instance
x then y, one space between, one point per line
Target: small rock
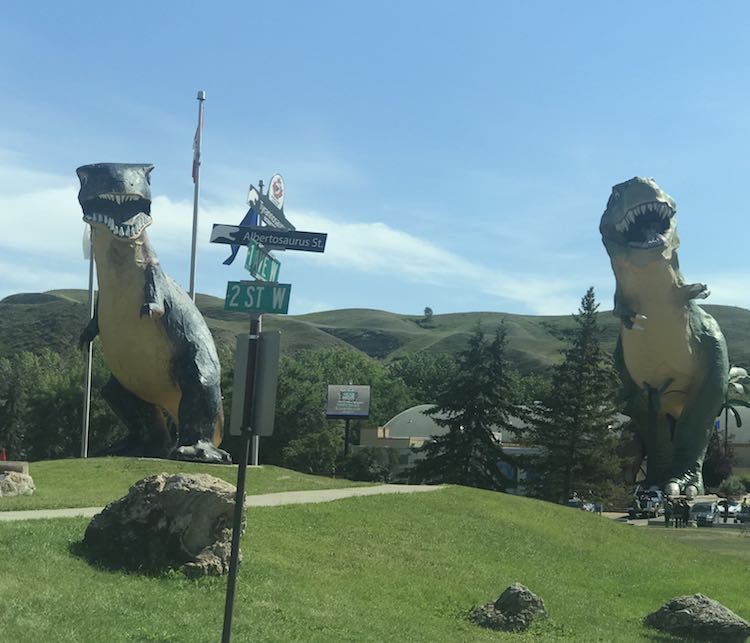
701 618
514 611
13 483
166 522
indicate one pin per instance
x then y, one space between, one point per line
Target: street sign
273 216
261 264
257 297
269 237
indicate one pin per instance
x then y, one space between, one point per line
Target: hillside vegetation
55 319
382 568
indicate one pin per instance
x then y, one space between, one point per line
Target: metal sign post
255 410
239 499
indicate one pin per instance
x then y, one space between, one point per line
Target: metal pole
239 502
239 499
726 428
346 437
196 190
89 358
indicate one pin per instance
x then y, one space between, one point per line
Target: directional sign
272 215
257 297
269 237
269 205
261 264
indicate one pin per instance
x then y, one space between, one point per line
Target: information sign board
348 401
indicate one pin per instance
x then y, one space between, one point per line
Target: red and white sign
276 191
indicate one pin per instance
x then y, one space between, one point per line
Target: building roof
413 423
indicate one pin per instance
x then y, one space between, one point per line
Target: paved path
264 500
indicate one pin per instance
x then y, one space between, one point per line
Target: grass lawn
730 542
380 568
93 482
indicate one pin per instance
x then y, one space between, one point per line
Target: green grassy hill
55 319
381 568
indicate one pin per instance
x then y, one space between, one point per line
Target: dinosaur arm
153 297
91 330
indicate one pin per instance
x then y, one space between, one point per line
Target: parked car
732 505
705 514
579 503
649 504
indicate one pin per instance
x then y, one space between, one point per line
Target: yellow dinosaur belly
136 349
663 357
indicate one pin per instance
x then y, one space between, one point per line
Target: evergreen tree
478 400
574 425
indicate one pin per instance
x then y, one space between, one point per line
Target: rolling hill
55 318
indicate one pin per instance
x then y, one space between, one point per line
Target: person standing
668 512
685 512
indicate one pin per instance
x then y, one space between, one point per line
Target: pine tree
477 401
574 425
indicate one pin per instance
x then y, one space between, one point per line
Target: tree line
568 414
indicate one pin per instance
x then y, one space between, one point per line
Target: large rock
701 618
13 483
514 611
166 522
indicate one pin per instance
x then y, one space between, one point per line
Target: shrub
732 487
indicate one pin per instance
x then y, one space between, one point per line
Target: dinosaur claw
152 310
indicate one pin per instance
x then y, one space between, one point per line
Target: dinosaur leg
147 432
692 434
654 430
200 418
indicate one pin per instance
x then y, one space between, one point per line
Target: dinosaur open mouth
646 225
124 215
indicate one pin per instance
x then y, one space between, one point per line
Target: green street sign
260 264
257 297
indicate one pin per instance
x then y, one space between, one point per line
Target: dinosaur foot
201 451
690 484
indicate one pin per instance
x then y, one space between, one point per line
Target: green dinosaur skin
154 339
671 354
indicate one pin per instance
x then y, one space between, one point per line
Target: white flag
87 242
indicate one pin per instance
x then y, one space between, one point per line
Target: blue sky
459 155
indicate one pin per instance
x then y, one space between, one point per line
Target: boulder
701 618
514 611
166 521
13 483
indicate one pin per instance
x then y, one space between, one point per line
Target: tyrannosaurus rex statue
671 354
155 342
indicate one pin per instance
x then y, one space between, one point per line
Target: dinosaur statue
155 342
671 354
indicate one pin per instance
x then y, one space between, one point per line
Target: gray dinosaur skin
154 339
671 354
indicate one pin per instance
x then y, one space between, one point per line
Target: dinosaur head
640 220
116 197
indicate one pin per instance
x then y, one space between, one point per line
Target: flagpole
89 355
196 191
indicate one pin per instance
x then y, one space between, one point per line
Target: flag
196 152
87 242
251 219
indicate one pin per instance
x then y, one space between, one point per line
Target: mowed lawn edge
401 567
94 482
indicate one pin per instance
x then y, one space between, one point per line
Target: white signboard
348 401
276 191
